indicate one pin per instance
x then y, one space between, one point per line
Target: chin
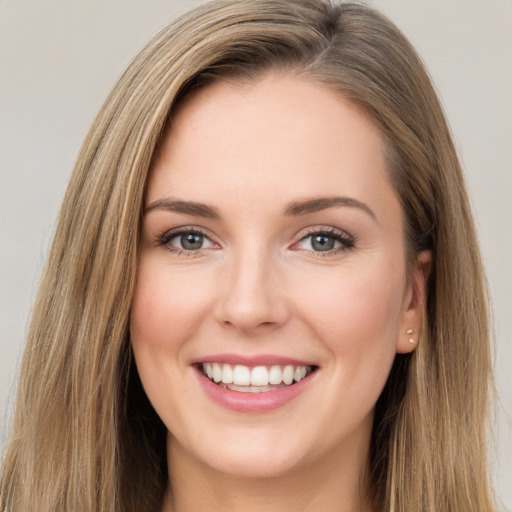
252 455
257 468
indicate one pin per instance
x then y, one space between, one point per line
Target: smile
253 385
256 379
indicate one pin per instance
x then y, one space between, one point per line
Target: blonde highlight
82 420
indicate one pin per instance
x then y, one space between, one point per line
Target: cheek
168 305
355 310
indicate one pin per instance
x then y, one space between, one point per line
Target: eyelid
320 228
164 239
346 239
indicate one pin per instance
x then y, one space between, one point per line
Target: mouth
254 379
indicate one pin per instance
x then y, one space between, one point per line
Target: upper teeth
241 375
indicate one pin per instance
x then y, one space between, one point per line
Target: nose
253 299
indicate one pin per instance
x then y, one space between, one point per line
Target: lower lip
252 402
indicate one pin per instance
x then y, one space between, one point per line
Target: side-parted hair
84 436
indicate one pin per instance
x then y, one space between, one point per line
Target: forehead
279 138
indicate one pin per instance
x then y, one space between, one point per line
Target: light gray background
59 58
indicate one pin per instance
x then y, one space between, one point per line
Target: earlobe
415 300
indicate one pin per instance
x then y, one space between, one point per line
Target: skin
257 286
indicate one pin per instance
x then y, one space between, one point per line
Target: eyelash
166 238
347 241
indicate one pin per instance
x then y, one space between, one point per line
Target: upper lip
254 360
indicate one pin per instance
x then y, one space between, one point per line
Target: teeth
275 375
217 372
257 379
259 376
227 374
288 372
250 389
241 375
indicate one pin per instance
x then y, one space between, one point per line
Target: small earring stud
410 331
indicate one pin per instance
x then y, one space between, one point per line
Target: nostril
229 323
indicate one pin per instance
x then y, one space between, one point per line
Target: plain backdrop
59 59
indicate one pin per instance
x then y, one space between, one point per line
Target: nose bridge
251 295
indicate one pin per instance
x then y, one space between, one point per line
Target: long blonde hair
85 437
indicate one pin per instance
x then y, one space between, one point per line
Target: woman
264 290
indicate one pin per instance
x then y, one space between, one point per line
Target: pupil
191 241
322 243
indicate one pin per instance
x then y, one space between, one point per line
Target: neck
324 485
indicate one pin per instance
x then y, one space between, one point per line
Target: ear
414 302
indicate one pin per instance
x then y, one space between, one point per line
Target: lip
253 403
256 360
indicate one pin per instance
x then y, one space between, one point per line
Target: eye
320 242
189 240
325 241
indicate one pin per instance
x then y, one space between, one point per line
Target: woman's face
272 252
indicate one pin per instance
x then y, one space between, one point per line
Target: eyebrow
185 207
295 208
323 203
